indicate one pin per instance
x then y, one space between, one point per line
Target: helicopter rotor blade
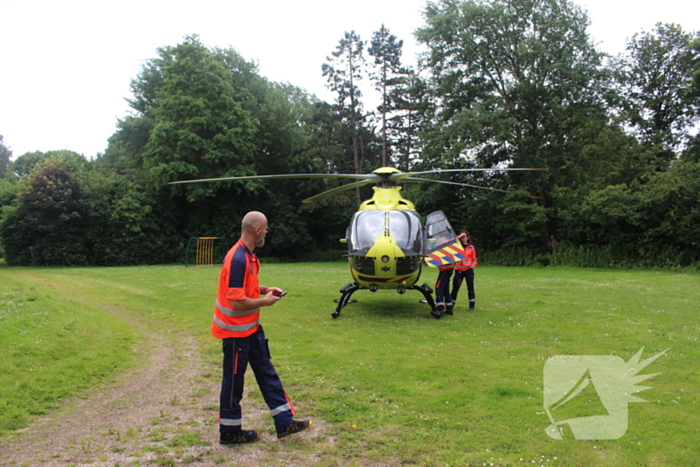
337 190
368 177
402 176
445 182
416 179
364 177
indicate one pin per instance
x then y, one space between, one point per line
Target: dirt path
162 413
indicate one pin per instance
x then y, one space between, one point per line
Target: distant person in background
464 269
552 244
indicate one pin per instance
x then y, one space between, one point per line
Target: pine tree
344 72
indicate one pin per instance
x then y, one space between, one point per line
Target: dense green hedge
592 256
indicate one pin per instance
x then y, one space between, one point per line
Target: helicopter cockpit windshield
405 226
366 226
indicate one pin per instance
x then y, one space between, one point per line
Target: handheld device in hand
284 292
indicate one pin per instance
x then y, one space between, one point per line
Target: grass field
396 386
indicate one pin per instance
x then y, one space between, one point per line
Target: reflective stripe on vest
230 312
469 262
231 328
464 265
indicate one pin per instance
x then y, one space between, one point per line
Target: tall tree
5 156
200 130
344 71
27 162
410 103
49 225
511 79
130 221
387 76
510 74
694 50
656 84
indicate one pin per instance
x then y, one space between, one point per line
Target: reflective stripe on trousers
226 422
280 409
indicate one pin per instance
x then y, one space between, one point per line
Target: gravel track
164 412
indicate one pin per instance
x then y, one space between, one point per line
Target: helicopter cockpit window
366 226
405 226
364 229
438 231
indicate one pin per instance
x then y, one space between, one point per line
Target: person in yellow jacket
464 269
236 322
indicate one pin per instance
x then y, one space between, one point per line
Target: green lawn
397 386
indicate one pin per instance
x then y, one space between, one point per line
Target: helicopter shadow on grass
386 304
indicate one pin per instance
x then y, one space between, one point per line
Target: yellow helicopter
387 243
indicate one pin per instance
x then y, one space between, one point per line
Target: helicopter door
437 233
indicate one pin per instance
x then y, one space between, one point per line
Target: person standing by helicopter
443 301
464 269
239 298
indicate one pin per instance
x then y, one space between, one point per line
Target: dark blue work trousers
457 283
442 288
238 352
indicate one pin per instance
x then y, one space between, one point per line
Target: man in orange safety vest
236 322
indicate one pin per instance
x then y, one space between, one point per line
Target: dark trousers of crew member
442 288
238 352
457 283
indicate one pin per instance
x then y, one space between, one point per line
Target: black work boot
295 427
448 309
472 304
438 311
238 437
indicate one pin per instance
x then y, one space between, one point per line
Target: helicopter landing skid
344 299
351 288
427 293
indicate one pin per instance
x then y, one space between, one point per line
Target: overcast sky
66 65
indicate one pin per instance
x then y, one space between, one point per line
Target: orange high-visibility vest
469 261
238 279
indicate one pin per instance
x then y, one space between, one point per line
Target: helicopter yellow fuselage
385 265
